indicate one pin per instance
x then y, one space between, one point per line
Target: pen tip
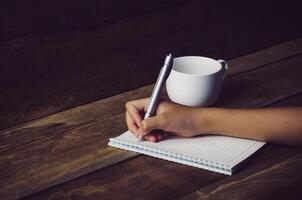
140 138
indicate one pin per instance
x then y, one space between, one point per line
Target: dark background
55 55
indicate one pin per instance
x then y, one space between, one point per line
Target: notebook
216 153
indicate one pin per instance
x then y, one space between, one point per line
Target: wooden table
65 155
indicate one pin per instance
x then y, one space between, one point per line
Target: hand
279 125
170 117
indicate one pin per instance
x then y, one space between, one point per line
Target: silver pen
162 77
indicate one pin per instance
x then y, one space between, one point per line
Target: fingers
134 108
140 104
153 137
133 114
138 126
132 126
150 137
152 123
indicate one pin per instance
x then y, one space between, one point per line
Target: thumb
152 123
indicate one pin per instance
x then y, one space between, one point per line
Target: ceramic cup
196 81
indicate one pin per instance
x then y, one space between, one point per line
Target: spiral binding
196 162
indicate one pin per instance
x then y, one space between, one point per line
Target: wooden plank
278 75
295 100
275 181
150 178
278 172
59 67
269 55
164 180
80 150
64 157
278 180
89 113
46 127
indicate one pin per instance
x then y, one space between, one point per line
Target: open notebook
215 153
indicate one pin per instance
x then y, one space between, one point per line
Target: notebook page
224 150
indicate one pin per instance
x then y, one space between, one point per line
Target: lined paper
215 153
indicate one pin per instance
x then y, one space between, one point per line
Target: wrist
209 120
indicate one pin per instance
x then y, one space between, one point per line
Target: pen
162 77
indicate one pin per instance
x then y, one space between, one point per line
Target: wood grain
271 182
278 180
285 82
272 175
295 100
143 177
68 155
89 113
80 116
266 56
58 55
150 178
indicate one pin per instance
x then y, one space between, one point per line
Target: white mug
196 81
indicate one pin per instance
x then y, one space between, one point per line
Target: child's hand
170 117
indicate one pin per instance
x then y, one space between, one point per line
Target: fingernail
159 137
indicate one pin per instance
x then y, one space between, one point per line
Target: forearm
277 125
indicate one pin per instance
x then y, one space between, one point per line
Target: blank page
213 151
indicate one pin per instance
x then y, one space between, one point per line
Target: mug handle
225 67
